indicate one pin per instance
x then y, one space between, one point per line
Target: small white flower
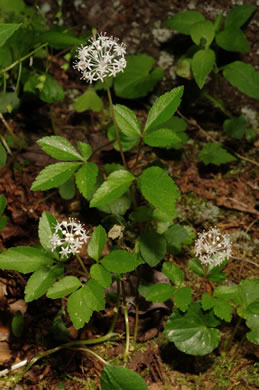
102 57
212 247
70 236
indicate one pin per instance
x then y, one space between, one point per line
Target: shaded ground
225 196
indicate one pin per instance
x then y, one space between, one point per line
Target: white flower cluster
69 236
103 57
212 247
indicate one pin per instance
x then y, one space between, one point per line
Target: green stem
87 350
115 317
10 131
127 330
135 336
115 124
5 144
231 338
216 103
83 266
18 78
23 58
52 119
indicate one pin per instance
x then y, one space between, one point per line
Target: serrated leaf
47 226
59 148
2 204
164 108
175 235
64 287
85 149
117 184
152 247
23 259
118 206
207 301
237 16
183 21
86 179
173 272
232 39
54 175
196 266
138 79
152 179
183 298
120 261
193 332
244 77
40 281
253 323
202 31
97 243
121 378
202 64
159 292
3 156
93 295
78 312
88 101
127 143
161 138
223 310
7 30
99 273
235 127
213 153
127 121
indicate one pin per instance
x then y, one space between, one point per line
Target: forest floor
224 196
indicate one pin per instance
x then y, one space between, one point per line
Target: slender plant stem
83 266
87 350
127 330
115 317
115 124
5 144
18 78
52 119
23 58
135 335
231 338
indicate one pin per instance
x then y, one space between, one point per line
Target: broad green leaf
117 184
60 39
127 143
138 78
85 149
78 312
207 301
237 16
152 247
2 204
202 64
177 126
54 175
99 273
164 108
196 266
88 101
217 275
93 295
15 6
126 120
213 153
47 226
51 91
183 21
23 259
63 287
86 179
97 243
244 77
67 190
175 235
121 378
9 101
193 333
160 292
120 261
232 39
117 207
3 222
155 178
183 298
235 127
227 292
202 33
223 310
7 30
161 138
40 281
141 214
253 323
173 272
17 324
3 156
59 148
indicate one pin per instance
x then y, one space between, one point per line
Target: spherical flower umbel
212 247
69 236
102 57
